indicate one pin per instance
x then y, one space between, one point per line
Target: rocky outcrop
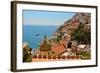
78 28
72 24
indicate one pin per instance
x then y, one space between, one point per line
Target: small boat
37 35
38 44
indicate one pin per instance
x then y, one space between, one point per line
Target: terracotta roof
58 48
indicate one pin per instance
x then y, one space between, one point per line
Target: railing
55 57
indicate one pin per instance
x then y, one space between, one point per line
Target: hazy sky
31 17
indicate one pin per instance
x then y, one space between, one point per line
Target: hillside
78 25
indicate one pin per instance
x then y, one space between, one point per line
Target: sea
34 34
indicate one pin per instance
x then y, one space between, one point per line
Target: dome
45 45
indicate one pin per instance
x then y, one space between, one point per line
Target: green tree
27 57
81 35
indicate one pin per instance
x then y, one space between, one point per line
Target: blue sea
34 34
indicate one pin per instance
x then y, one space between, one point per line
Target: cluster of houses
64 49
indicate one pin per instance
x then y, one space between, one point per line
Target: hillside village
71 41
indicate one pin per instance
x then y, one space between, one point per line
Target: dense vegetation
82 35
27 56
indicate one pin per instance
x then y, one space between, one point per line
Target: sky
33 17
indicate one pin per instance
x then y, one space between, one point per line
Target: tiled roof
58 48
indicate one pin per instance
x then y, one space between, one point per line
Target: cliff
78 23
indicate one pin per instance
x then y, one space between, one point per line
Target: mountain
73 23
77 27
